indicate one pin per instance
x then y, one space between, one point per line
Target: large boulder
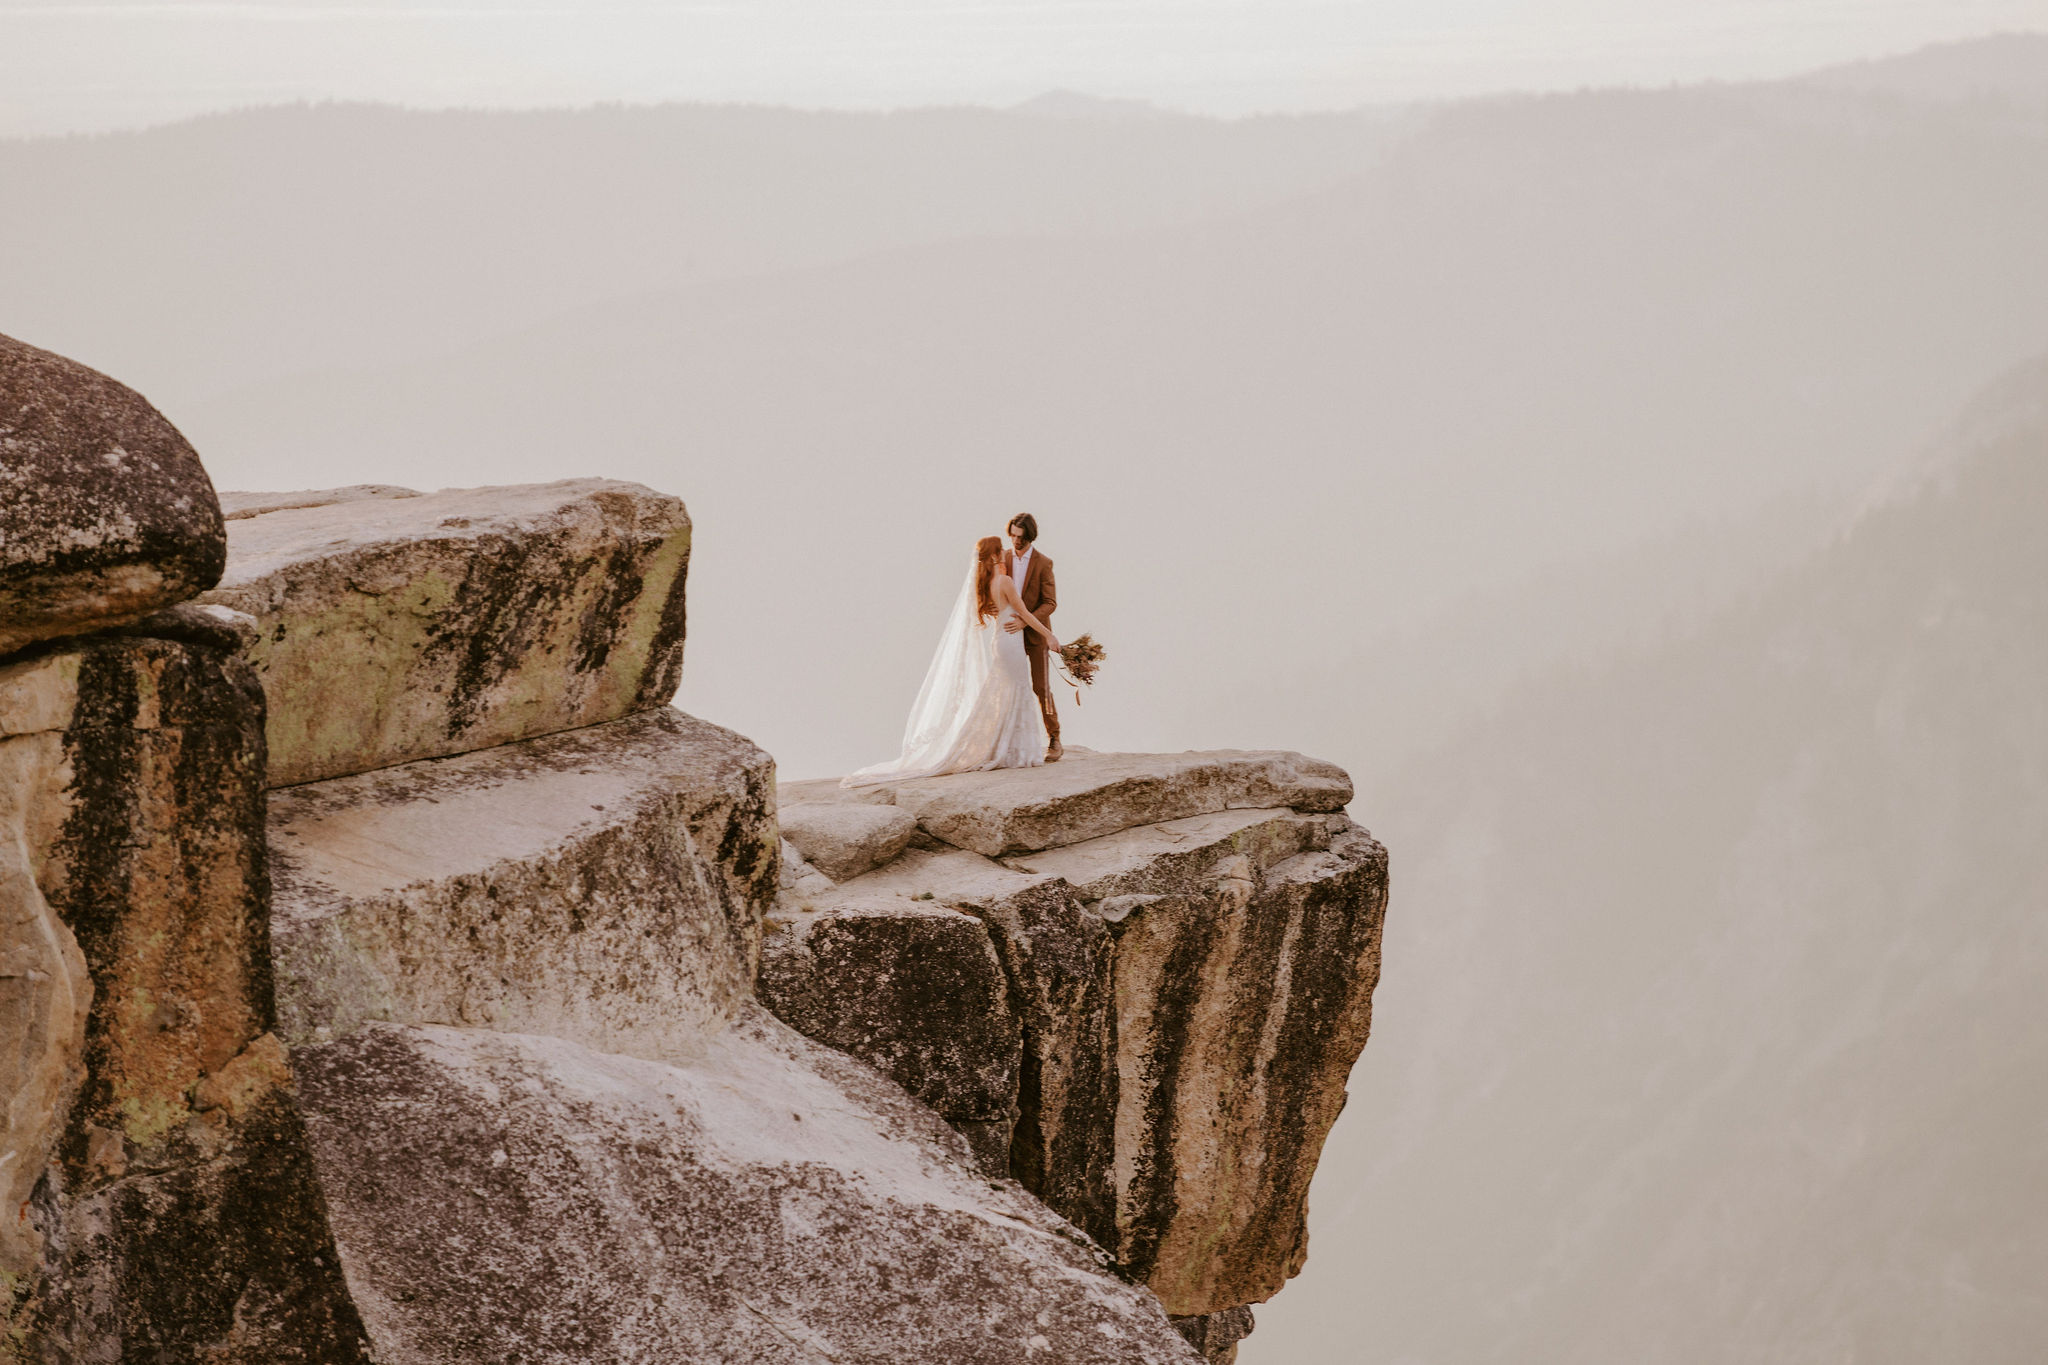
105 512
1087 795
156 1152
1192 993
395 628
601 885
500 1197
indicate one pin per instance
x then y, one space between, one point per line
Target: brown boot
1053 752
1052 730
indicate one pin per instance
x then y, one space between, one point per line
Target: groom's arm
1048 597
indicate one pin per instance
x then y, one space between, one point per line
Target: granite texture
916 992
602 885
502 1196
1192 992
174 1213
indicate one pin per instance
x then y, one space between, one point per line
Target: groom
1032 573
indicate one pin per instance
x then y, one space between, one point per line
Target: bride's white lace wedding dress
976 709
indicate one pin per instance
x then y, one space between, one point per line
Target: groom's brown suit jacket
1040 599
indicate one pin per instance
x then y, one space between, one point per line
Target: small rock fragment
845 840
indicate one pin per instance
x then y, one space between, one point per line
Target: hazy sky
68 65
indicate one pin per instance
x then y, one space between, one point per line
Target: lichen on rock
177 1204
401 628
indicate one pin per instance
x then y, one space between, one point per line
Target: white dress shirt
1019 566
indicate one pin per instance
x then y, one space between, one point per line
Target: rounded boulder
106 514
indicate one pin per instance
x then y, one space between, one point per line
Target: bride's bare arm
1006 595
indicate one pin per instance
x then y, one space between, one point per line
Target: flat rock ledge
238 506
600 885
1087 795
392 628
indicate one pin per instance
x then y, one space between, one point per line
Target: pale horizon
81 66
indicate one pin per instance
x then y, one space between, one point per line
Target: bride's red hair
988 556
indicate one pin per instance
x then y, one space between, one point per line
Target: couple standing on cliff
990 683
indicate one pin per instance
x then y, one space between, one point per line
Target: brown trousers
1041 683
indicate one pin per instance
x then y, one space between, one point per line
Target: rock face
105 512
500 1197
1245 955
399 628
45 990
570 886
918 994
1192 991
173 1204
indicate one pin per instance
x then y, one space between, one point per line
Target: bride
976 709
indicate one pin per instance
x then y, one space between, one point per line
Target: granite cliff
392 975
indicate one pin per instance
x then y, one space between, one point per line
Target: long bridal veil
945 704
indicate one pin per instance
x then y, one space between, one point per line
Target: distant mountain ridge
171 255
2005 66
1074 104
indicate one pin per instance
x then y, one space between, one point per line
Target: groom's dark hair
1027 522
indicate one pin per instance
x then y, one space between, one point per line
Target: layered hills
1731 1049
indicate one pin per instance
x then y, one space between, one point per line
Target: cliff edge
387 962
